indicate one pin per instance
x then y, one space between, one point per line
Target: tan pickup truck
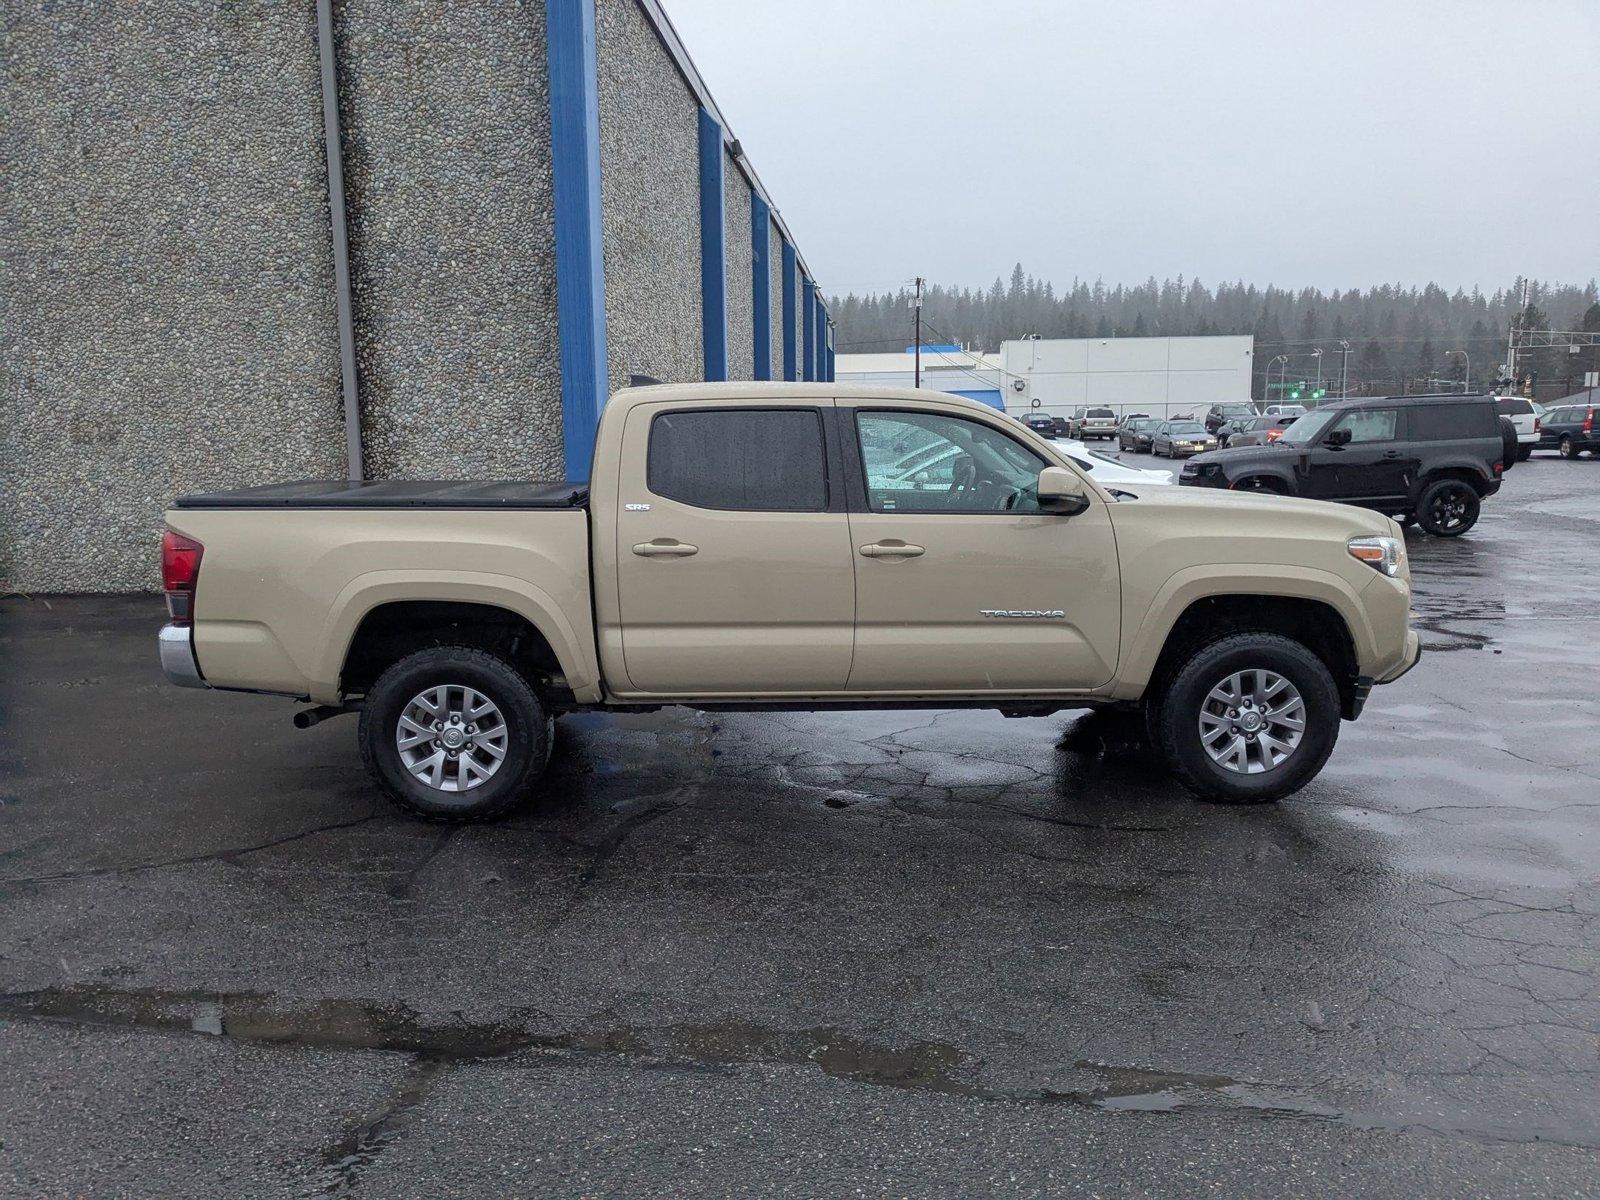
789 546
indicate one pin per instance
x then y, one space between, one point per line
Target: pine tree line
1400 337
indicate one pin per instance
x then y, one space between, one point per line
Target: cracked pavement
882 953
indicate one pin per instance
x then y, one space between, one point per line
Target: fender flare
1142 647
372 589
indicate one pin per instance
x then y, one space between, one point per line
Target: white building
944 369
1162 376
1157 375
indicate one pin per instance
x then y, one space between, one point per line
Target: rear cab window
1511 406
740 459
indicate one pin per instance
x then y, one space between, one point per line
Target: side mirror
1337 437
1060 491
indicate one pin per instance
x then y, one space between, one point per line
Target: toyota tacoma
762 546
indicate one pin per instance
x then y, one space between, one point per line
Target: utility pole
916 308
1344 368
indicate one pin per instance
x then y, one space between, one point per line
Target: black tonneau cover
428 493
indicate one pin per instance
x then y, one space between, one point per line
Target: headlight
1380 553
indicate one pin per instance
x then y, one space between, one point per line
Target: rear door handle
665 548
891 549
1391 454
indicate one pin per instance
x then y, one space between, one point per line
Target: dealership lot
933 953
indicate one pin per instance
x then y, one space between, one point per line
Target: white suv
1524 416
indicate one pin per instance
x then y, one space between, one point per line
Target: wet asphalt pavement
925 953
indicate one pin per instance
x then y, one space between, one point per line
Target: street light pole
1344 368
1466 382
1317 354
1283 374
916 304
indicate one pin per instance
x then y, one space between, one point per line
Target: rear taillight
1536 425
1499 468
1588 421
1274 434
180 568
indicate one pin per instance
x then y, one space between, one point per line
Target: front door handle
1391 454
892 548
665 548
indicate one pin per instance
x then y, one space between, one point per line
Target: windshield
1237 410
1306 428
1186 427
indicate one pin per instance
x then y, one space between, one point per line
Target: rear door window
746 459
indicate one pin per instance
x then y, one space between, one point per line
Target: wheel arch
1316 608
381 615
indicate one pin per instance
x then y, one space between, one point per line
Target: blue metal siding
761 284
580 270
791 351
713 252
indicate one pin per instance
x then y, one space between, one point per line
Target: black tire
528 740
1524 452
1174 717
1568 448
1448 507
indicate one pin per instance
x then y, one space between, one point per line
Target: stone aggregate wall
650 202
167 289
741 304
446 117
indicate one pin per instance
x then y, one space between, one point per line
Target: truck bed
428 493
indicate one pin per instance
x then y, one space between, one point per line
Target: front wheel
1448 508
1249 718
452 733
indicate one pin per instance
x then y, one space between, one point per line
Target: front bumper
177 656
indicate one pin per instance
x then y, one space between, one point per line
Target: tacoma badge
1046 614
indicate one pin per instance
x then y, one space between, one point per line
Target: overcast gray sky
1333 144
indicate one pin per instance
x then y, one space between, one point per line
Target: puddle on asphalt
919 1066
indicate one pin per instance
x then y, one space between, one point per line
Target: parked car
1428 459
1126 417
1179 439
1257 431
1041 423
459 619
1525 418
1060 426
1284 410
1134 434
1108 472
1219 415
1570 429
1086 423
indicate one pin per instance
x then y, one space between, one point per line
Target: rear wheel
1448 508
1249 718
1569 448
1524 452
453 733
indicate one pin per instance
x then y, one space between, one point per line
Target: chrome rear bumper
177 656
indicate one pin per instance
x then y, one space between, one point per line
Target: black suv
1572 425
1428 459
1219 415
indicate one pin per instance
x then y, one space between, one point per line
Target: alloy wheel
451 738
1252 721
